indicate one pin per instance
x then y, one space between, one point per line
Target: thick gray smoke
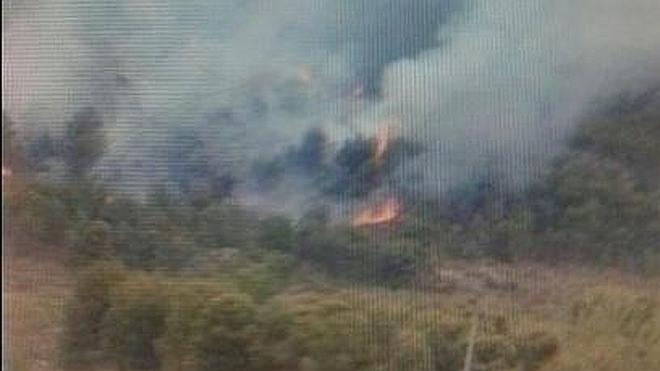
512 80
489 87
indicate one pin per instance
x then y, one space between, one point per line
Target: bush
187 303
134 322
87 310
276 233
346 252
93 242
30 210
312 332
223 225
225 334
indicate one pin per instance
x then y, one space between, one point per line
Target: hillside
564 277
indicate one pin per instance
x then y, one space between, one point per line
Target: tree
12 151
356 175
86 312
226 333
222 186
94 241
84 142
310 156
134 322
41 149
276 233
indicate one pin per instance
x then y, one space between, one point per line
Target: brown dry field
36 290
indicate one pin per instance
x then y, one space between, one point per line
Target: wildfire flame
382 212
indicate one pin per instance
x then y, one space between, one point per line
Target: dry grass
530 297
34 295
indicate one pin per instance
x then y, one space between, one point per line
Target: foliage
600 203
84 142
12 150
276 233
133 323
346 252
225 332
192 281
83 336
195 322
310 156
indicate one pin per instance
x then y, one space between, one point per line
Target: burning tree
381 213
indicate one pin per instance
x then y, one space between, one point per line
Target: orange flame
383 212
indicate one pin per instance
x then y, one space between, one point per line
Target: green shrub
276 233
93 242
87 310
223 225
345 252
187 304
225 334
134 322
37 213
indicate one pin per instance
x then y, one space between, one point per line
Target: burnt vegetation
346 172
190 280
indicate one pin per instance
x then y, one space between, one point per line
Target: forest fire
383 212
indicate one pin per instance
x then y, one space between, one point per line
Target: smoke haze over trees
486 90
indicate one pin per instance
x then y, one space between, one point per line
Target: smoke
512 81
489 88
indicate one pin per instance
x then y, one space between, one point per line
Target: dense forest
188 278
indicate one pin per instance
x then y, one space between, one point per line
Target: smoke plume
489 88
